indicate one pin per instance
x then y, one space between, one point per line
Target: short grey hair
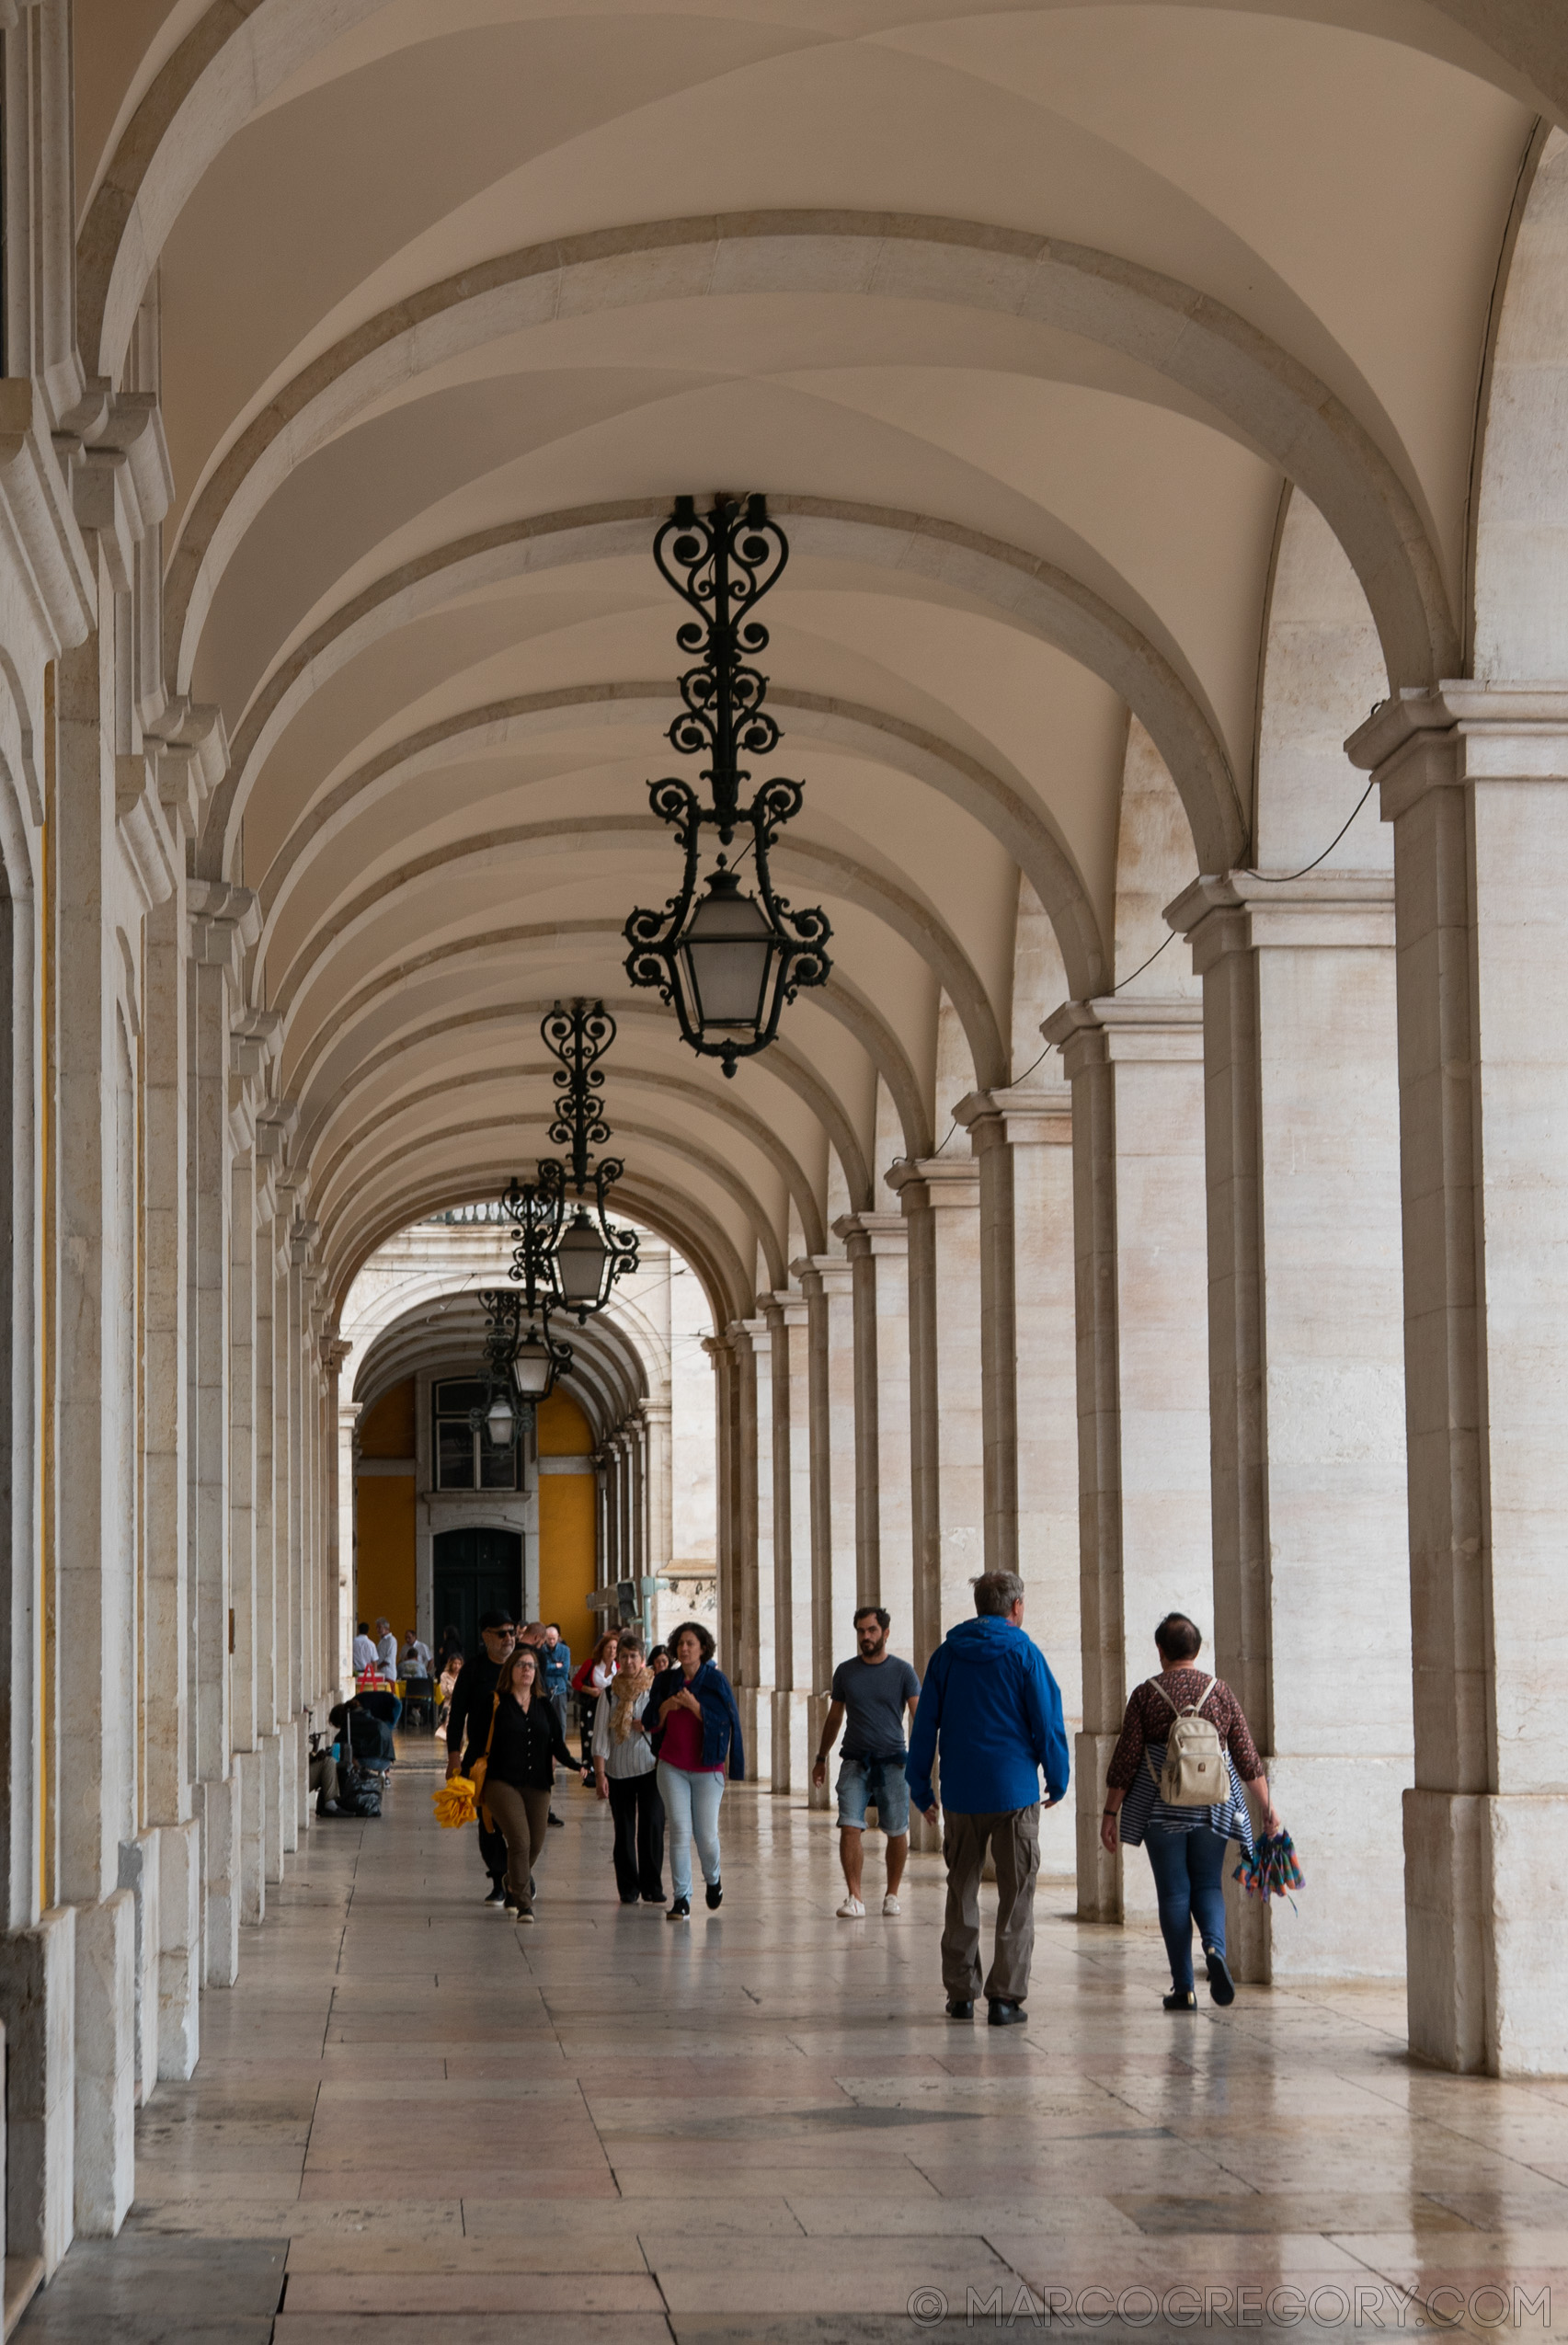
997 1592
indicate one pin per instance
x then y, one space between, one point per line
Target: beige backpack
1195 1774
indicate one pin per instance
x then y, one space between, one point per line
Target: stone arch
1269 399
1016 826
916 921
1519 598
629 1077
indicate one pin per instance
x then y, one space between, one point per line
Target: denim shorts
878 1783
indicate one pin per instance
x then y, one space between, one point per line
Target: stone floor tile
766 2124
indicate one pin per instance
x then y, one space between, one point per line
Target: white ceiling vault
1022 315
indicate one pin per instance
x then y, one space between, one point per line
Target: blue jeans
1187 1867
691 1808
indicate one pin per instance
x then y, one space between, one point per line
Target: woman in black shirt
525 1742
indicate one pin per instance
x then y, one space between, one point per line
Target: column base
1099 1876
249 1794
1445 1982
756 1706
1524 1847
1350 1925
106 2064
272 1807
37 2005
792 1745
289 1737
218 1809
817 1796
140 1872
180 1949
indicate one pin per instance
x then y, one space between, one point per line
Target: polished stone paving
413 2120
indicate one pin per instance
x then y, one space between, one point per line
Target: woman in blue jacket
696 1741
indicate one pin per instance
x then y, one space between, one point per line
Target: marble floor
414 2121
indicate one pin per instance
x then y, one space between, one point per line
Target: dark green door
475 1571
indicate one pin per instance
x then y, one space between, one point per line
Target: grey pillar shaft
164 1452
998 1330
244 1725
925 1473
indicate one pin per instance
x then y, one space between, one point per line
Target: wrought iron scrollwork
721 564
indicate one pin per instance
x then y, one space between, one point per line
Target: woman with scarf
524 1746
696 1737
624 1772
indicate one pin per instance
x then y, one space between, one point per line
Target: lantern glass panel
532 1370
728 950
580 1257
499 1421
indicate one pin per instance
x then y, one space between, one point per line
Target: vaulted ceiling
1022 315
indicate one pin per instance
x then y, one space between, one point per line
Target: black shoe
679 1911
716 1895
1221 1984
959 2008
628 1901
511 1904
1005 2014
559 1822
655 1901
497 1895
328 1807
1182 1999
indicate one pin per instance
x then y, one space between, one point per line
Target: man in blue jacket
991 1707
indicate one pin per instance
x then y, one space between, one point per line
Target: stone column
790 1383
1141 1283
755 1691
267 1157
1474 780
90 1424
946 1408
661 1529
1305 1384
1022 1141
223 921
165 1468
877 1245
721 1352
827 1282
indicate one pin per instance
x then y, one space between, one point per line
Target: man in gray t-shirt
875 1690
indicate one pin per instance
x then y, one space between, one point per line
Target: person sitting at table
416 1662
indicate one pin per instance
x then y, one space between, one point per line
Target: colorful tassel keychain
1274 1871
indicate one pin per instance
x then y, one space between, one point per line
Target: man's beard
874 1653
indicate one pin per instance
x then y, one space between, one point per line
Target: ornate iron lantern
728 960
587 1253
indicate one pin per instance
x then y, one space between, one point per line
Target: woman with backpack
1174 1785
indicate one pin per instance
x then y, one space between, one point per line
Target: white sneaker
890 1905
852 1910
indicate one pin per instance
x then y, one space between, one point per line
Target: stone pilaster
877 1245
1474 780
826 1283
1141 1284
791 1381
1306 1383
946 1409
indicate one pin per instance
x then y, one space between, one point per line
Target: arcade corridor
408 2123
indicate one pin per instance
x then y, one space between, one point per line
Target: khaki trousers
1015 1842
523 1817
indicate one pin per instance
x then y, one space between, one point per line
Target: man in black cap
468 1730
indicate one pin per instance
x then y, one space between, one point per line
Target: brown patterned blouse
1149 1717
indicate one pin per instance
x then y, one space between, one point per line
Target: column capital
334 1350
757 1333
941 1183
872 1233
1158 1028
1022 1118
831 1273
783 1309
1238 911
225 923
1442 736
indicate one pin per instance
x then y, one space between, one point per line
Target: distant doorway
475 1572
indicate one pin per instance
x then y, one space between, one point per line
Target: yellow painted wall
567 1526
384 1515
